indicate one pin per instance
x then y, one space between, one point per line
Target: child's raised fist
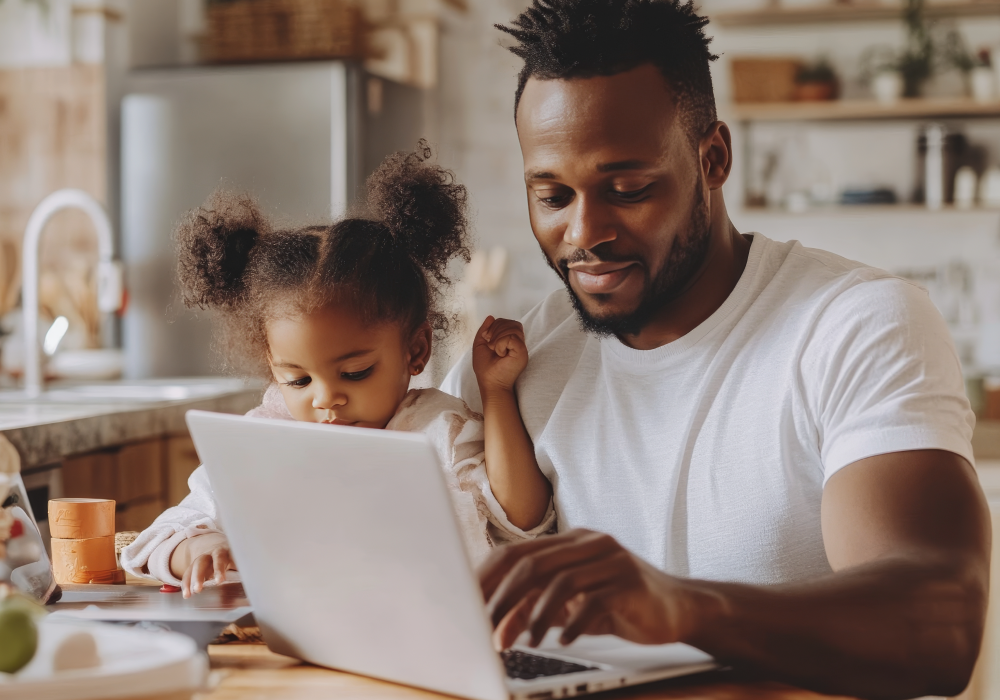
499 354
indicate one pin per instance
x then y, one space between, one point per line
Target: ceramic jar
983 82
888 87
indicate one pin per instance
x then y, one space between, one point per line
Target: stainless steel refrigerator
300 137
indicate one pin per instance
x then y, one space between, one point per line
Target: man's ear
715 151
420 348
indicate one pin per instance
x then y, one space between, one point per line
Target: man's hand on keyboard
585 582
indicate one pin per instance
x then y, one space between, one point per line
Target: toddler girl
340 318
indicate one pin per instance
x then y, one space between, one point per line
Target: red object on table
167 588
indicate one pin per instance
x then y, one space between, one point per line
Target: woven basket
282 30
764 79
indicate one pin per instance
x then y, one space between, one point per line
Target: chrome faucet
109 273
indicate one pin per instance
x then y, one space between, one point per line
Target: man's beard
685 258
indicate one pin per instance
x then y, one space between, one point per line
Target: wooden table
247 671
251 672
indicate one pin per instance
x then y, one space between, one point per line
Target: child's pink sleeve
149 556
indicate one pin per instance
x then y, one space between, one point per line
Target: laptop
350 553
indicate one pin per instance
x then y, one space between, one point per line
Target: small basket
764 79
246 31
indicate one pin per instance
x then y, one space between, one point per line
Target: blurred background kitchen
871 129
867 128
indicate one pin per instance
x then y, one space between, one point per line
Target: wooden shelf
903 208
846 12
842 110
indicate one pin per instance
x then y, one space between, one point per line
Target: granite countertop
71 419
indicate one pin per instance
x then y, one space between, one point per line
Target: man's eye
555 200
632 195
299 383
357 376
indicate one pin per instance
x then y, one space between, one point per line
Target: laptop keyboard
525 666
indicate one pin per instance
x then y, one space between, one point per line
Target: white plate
134 663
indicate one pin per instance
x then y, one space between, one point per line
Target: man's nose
589 225
326 397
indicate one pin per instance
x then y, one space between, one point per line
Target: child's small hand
499 354
211 564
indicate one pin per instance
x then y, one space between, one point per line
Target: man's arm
907 535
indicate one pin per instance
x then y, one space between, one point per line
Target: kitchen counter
73 419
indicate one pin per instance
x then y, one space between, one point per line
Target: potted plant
976 68
929 48
914 64
983 77
817 81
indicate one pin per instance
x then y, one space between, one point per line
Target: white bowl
87 364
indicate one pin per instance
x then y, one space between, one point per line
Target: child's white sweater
456 433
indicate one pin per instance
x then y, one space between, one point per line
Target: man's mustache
594 255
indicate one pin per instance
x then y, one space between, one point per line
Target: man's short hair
560 39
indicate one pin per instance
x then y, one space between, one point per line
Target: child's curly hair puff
390 266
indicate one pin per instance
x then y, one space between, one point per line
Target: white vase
989 188
984 84
965 187
887 87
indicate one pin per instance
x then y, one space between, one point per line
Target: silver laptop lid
341 570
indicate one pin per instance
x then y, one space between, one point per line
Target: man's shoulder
800 273
841 302
822 267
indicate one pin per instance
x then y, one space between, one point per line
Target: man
768 446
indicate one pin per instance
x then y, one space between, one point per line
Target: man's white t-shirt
708 456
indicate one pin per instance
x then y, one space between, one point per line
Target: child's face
332 368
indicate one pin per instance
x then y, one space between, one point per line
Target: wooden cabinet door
140 472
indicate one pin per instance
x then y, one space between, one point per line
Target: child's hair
390 266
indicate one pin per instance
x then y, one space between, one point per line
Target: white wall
478 140
33 36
